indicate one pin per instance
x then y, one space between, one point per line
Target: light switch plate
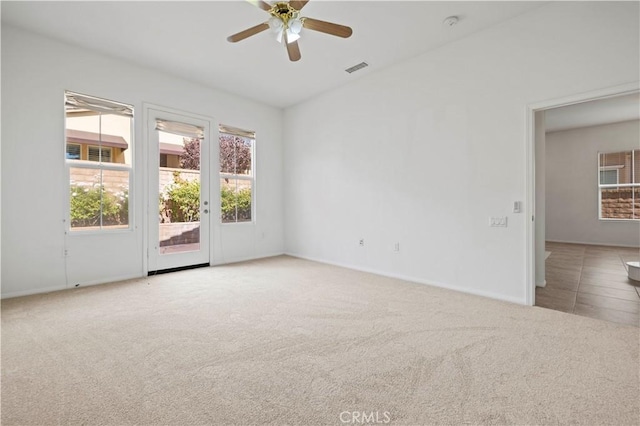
500 222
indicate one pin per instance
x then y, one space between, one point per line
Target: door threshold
179 268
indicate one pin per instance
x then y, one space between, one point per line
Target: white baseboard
70 286
488 294
120 278
30 292
245 258
109 280
592 243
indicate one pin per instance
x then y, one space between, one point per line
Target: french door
179 205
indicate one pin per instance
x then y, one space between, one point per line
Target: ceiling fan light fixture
286 23
291 36
295 25
275 24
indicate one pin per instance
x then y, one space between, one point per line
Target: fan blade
327 27
298 4
262 5
248 32
292 49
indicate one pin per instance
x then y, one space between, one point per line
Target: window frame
617 168
99 165
251 177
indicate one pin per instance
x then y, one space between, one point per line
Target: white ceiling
594 113
188 39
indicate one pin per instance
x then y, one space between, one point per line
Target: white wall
35 73
425 152
571 181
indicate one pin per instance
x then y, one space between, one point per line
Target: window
236 174
98 156
73 151
97 153
609 177
619 185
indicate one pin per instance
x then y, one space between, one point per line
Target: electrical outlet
65 252
396 247
361 242
498 222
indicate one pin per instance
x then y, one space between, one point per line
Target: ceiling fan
286 23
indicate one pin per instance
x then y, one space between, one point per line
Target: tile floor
591 281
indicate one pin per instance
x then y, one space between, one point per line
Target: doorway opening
584 229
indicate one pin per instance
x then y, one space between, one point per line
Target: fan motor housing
282 10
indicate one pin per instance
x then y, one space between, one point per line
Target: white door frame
151 207
531 109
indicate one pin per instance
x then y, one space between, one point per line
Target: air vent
357 67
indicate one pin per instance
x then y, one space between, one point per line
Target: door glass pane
179 193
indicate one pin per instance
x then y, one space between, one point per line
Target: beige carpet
288 341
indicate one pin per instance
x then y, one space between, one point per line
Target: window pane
99 198
115 202
236 164
617 203
235 196
619 161
636 166
104 137
73 152
85 198
608 177
82 129
235 154
99 154
243 157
